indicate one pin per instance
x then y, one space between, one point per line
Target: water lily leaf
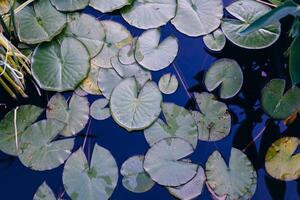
126 54
278 104
44 192
146 14
39 22
246 12
179 123
237 181
108 6
152 54
213 195
108 79
294 62
135 108
168 84
215 41
70 5
38 151
213 120
51 73
163 162
25 116
80 92
227 74
282 161
75 116
135 178
90 83
99 110
198 17
88 182
192 189
117 36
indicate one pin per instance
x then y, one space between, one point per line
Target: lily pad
227 74
51 73
108 79
99 110
237 181
246 12
198 17
126 54
278 104
44 192
88 182
215 41
146 14
25 116
90 83
4 6
38 149
163 162
213 120
39 22
179 123
282 161
70 5
135 108
108 6
152 54
168 84
135 178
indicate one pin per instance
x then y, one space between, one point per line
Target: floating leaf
237 181
53 74
38 151
126 54
168 84
108 6
215 41
108 79
227 74
135 108
90 83
295 61
39 22
135 178
149 14
196 18
152 54
278 104
213 120
70 5
163 162
99 110
179 123
88 182
246 12
80 92
282 161
44 192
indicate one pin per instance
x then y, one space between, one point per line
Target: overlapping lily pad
99 110
215 41
108 6
126 54
70 5
168 84
108 79
90 83
44 192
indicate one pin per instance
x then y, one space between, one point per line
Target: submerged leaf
44 192
168 84
70 5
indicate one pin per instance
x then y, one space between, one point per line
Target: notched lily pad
168 84
44 192
108 79
99 110
215 41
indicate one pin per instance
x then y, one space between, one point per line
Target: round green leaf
135 178
278 104
237 181
215 41
213 120
179 123
99 110
163 162
152 54
281 160
44 192
108 6
246 12
227 74
168 84
89 182
108 79
146 14
39 22
25 116
198 17
90 83
135 108
38 151
70 5
62 67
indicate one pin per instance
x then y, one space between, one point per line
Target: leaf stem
266 3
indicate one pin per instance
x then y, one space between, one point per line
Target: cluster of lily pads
75 51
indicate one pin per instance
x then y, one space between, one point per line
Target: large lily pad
108 79
227 74
237 181
44 192
168 84
281 160
39 22
99 110
179 123
147 14
246 12
213 120
278 104
25 116
38 149
88 182
108 6
152 54
135 178
198 17
60 67
135 108
70 5
215 41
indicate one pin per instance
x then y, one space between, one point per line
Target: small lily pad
126 54
108 6
168 84
108 79
99 110
44 192
215 41
70 5
90 83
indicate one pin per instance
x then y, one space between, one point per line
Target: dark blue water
19 183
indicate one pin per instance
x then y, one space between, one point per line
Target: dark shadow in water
276 187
